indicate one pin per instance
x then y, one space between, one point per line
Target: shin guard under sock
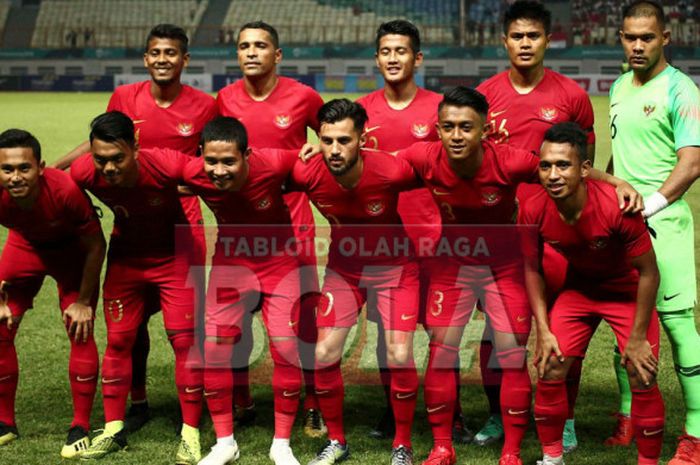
188 377
286 384
330 392
404 395
516 394
83 369
648 423
218 386
551 407
440 392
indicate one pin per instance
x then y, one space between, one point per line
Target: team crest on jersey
375 207
420 129
263 204
649 108
598 243
283 121
549 113
490 196
185 129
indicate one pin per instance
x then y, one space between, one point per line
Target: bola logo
283 121
548 113
185 129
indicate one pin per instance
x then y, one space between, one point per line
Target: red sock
573 381
550 415
491 376
139 360
218 386
330 392
116 374
286 384
440 392
83 369
648 423
241 359
9 373
188 377
404 395
516 395
308 334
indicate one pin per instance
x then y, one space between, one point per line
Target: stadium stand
4 12
110 23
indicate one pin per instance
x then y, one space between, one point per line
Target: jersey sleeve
286 160
315 102
299 179
583 114
80 210
174 164
416 155
522 166
685 113
116 101
80 170
634 234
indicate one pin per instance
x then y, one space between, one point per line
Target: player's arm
684 174
5 312
628 199
65 161
638 351
78 315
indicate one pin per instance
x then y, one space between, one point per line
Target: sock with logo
623 384
330 392
440 392
139 360
516 396
550 415
9 374
573 381
491 376
404 395
648 423
188 376
218 386
116 373
83 369
286 384
681 331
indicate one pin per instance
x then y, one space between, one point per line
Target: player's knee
399 354
636 381
554 369
181 340
119 342
327 354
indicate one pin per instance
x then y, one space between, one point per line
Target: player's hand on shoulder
547 345
78 320
628 198
308 151
638 353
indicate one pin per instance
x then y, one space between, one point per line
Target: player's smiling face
20 172
643 41
165 60
395 58
257 55
115 161
225 165
561 171
340 144
461 130
526 43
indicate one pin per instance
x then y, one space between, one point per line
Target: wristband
654 203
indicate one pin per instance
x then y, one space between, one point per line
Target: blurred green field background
60 121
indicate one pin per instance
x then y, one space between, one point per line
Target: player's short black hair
569 133
14 138
528 9
341 108
169 31
227 129
462 96
645 9
113 127
265 27
400 27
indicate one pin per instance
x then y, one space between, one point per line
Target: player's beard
344 168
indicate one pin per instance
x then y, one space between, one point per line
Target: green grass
60 121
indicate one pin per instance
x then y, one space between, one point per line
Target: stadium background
59 61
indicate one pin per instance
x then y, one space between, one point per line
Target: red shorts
390 290
455 289
575 317
235 290
130 281
23 268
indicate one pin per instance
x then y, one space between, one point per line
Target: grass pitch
60 121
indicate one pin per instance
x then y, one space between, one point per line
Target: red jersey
522 119
599 245
145 214
367 212
61 213
177 127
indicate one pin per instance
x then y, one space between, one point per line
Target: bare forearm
684 174
536 294
64 162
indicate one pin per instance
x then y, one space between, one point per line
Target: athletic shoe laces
401 456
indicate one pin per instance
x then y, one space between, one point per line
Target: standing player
655 129
243 188
401 114
358 191
54 231
276 112
140 187
168 115
525 101
612 277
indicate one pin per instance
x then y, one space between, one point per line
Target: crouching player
612 276
54 231
243 187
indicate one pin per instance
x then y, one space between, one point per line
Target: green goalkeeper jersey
649 123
